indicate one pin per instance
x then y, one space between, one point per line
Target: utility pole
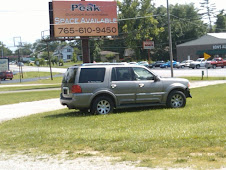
18 44
50 67
170 39
2 50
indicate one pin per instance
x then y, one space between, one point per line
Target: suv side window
92 75
142 74
69 76
121 74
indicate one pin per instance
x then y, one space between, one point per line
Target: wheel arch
107 94
177 88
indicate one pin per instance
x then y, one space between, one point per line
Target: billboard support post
18 44
85 49
148 45
149 56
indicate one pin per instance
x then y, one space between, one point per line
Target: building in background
64 52
213 44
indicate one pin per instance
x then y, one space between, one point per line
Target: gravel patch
47 163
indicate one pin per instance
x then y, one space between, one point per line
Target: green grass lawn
30 87
11 98
193 136
33 75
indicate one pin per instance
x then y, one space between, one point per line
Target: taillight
76 89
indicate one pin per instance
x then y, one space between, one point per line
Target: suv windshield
69 76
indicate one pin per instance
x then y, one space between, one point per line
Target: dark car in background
156 64
6 75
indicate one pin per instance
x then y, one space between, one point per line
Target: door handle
141 85
113 86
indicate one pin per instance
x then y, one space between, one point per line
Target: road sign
206 56
148 45
4 64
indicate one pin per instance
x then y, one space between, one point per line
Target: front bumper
187 93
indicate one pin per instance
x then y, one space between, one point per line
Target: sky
25 20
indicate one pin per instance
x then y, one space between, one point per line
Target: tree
221 22
41 46
76 51
25 49
137 24
208 12
4 51
186 25
97 50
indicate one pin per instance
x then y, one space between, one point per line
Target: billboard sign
84 18
148 45
4 64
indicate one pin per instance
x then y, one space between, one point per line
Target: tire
102 105
182 67
197 66
214 66
176 99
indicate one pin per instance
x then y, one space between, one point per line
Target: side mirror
156 78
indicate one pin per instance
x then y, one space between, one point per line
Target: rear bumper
67 102
77 101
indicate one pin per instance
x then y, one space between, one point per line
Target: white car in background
200 62
185 63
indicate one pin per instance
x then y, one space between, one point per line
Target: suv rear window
69 76
92 75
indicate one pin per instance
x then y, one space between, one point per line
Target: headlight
189 84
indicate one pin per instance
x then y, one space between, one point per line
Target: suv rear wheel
102 105
176 99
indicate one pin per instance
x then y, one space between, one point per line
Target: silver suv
100 88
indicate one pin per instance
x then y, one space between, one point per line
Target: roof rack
96 64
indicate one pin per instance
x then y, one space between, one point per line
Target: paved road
218 72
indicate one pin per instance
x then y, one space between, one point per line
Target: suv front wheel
176 99
102 105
